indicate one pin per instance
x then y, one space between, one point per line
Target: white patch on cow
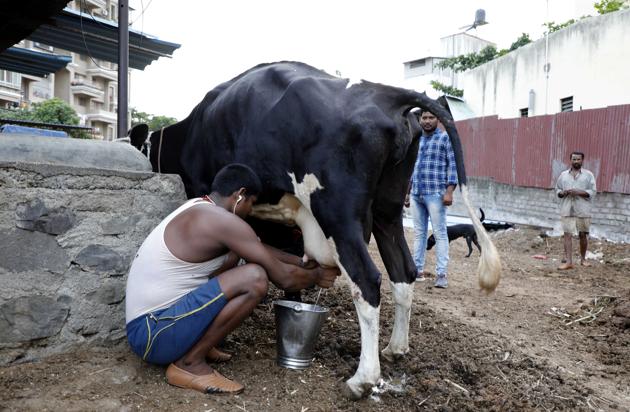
369 370
399 341
297 208
352 82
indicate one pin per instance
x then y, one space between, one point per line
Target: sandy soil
545 340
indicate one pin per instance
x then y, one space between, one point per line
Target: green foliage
54 111
470 61
154 122
553 27
450 90
521 41
609 6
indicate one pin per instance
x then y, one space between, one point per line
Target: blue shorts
163 336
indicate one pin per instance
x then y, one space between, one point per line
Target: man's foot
420 277
212 382
585 263
218 356
441 282
565 266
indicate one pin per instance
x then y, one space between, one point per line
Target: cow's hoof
391 357
355 392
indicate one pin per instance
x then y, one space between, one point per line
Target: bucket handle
297 308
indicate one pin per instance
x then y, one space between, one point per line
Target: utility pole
123 66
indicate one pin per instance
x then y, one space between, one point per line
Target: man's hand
407 200
326 277
447 200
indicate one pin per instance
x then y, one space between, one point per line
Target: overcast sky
361 39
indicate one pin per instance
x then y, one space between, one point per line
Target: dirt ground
545 340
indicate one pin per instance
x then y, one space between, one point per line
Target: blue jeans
424 207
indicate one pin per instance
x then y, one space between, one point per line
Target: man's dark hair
577 153
234 176
421 111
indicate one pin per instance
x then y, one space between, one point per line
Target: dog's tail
483 215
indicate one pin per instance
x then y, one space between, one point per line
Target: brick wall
539 207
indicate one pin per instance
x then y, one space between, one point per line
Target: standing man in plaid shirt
432 184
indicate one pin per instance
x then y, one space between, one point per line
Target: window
566 104
11 78
417 63
524 112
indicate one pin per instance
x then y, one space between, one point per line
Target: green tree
54 111
154 122
158 122
609 6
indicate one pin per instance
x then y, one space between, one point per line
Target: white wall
590 61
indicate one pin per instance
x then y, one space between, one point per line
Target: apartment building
89 85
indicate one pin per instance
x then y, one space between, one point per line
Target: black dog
463 230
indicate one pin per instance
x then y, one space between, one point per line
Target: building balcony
86 89
95 4
97 72
10 93
101 116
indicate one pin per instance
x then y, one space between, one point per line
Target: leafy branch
450 90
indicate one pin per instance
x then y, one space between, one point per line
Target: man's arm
239 237
451 176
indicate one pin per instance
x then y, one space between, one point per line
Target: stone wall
68 236
539 207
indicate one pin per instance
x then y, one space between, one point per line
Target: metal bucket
297 327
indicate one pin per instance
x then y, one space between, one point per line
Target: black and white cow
335 159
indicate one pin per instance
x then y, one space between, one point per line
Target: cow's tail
489 269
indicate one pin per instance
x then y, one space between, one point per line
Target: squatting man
199 274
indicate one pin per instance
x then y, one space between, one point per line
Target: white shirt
157 278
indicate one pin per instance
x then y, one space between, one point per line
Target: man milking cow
334 158
199 274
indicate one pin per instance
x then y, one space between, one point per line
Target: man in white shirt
576 189
185 291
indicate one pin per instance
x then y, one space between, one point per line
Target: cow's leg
345 247
393 248
365 282
369 370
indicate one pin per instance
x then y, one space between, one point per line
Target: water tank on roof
480 18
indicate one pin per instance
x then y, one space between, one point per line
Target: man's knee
258 280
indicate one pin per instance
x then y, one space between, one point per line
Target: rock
34 215
108 294
22 250
100 259
31 317
119 225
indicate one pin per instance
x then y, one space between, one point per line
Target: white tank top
157 278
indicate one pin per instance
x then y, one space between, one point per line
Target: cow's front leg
369 370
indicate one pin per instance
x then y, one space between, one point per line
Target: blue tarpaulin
12 128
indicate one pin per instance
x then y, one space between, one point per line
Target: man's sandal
218 356
211 383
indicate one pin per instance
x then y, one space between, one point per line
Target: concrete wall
539 207
589 60
67 238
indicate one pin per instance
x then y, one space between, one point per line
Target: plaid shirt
435 165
